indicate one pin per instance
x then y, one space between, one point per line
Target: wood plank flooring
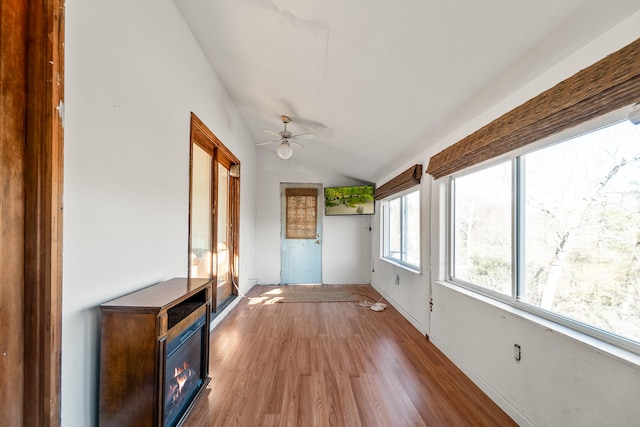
333 364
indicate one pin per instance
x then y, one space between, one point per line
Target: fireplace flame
181 375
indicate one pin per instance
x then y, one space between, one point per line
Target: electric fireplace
185 371
154 353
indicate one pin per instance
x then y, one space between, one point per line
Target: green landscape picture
353 200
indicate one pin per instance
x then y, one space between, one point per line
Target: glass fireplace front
185 370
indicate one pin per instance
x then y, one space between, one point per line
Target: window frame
518 199
384 227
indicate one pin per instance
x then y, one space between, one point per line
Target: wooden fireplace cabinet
135 330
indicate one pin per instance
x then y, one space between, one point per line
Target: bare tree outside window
582 239
483 227
578 245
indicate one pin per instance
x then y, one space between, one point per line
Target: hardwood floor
333 364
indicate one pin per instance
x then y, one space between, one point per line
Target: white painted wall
346 239
559 381
133 75
562 380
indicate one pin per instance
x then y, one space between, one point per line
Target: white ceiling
380 80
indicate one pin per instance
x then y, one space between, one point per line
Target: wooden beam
43 213
13 90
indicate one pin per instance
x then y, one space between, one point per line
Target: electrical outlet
517 352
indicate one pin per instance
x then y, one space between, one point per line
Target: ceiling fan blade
306 135
272 132
295 118
268 142
294 141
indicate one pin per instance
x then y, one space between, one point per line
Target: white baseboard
520 418
504 404
416 324
220 317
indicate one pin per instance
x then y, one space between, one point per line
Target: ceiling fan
285 138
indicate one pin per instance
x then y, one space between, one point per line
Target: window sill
623 355
402 266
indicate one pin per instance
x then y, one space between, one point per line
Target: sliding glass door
201 215
214 213
223 242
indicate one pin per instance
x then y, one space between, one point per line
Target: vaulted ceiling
378 81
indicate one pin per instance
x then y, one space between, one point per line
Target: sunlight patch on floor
269 297
256 300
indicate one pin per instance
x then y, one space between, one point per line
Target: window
401 230
302 208
556 231
482 228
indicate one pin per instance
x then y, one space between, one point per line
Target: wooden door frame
43 209
202 136
13 82
33 32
